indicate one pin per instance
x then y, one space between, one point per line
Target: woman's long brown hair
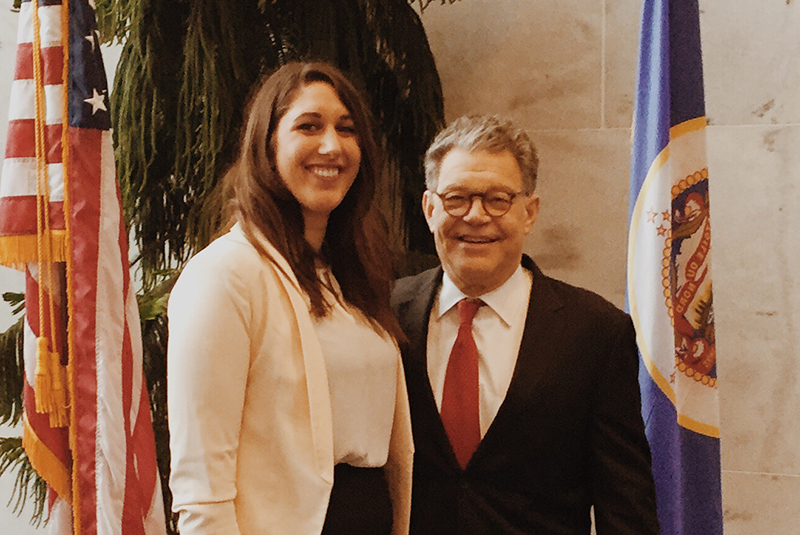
355 239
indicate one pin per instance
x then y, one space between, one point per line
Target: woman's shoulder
230 253
230 261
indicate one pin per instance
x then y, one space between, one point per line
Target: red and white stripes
101 469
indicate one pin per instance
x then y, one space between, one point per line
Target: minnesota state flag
669 271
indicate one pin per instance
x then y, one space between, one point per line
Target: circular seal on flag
687 281
669 279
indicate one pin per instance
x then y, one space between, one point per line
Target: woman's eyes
308 127
312 127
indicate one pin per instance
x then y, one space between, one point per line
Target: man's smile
477 239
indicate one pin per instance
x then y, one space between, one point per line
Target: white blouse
362 366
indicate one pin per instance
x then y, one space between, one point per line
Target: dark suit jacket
568 435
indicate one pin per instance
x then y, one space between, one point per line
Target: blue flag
669 271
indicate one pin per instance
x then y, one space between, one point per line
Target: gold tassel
42 386
51 396
58 416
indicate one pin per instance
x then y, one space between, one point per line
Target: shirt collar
500 299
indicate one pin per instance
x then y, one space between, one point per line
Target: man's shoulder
407 288
579 300
579 313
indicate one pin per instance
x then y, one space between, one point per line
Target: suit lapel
535 356
415 320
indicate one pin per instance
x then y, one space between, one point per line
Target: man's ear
427 208
531 211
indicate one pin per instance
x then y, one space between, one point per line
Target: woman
282 357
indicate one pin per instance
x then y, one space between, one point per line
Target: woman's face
317 152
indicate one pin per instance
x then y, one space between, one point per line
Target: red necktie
460 402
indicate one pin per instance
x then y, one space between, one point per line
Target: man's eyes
490 197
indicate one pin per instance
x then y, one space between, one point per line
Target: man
523 389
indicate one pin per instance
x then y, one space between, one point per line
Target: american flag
87 426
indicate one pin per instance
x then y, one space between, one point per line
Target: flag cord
50 394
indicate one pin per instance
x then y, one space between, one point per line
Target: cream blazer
249 409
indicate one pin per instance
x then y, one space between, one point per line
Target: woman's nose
330 142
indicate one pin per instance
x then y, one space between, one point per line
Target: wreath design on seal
686 277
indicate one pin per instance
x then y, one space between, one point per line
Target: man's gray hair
483 133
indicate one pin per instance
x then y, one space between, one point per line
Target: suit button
464 484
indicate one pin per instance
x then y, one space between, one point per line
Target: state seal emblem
670 294
690 298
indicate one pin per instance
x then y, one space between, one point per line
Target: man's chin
475 278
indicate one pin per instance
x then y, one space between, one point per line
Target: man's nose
476 213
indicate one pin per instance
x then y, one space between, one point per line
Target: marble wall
565 69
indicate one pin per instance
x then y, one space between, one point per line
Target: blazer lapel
319 399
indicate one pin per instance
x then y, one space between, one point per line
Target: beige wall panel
760 504
581 233
755 211
751 50
538 62
621 55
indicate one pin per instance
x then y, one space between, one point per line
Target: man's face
479 252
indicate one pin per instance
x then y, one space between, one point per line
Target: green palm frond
152 314
154 345
16 300
182 83
27 484
12 365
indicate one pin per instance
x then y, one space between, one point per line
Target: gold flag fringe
16 251
45 462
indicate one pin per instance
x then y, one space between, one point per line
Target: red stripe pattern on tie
460 399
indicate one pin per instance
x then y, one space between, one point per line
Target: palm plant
186 69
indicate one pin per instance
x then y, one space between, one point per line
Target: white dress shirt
497 329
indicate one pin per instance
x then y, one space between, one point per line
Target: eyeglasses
496 203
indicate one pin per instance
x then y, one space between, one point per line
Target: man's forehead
479 168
